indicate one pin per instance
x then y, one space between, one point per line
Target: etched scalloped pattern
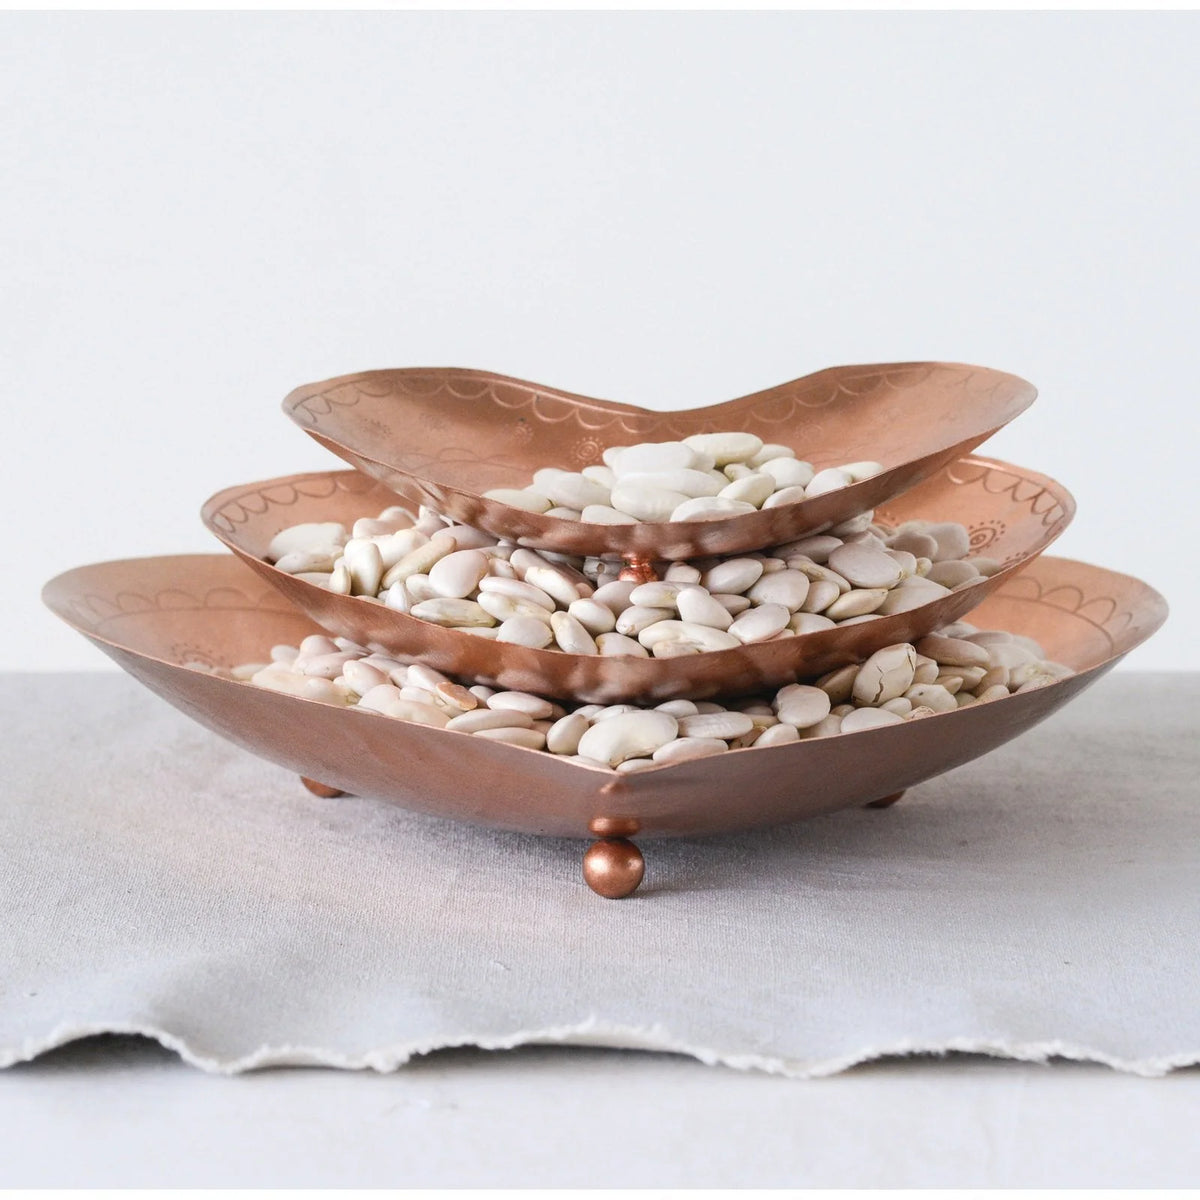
549 407
254 502
1104 613
95 610
1025 492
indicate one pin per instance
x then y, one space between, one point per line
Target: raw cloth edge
595 1033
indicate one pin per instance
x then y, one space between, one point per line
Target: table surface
120 1111
132 1115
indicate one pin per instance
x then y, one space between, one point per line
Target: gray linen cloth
1042 901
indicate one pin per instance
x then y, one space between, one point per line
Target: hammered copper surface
1013 514
443 436
151 615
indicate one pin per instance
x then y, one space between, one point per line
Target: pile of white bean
460 577
958 666
705 477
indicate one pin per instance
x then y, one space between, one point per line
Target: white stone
449 612
953 573
953 652
685 749
702 637
778 735
603 514
563 736
689 483
831 479
457 575
869 718
931 695
650 456
753 488
786 587
533 706
529 739
865 567
656 594
576 491
857 603
517 589
859 471
615 595
759 624
724 725
532 632
788 472
490 718
305 538
523 498
905 597
725 448
571 636
506 608
886 674
710 508
560 582
628 735
637 617
696 606
617 645
768 453
802 705
734 575
952 540
787 495
595 617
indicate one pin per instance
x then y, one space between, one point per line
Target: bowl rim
1024 394
55 591
561 660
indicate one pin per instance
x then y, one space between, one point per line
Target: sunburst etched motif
190 655
587 450
984 534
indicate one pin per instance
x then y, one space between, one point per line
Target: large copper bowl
443 436
1012 513
151 615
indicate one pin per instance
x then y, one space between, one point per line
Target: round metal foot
638 569
886 802
321 789
613 867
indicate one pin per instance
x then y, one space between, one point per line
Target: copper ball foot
321 789
638 569
886 802
613 868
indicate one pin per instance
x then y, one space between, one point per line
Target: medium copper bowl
1013 514
153 614
443 436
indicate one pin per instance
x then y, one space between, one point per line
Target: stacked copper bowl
441 438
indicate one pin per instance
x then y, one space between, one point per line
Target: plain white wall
201 211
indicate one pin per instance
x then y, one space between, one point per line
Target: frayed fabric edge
598 1034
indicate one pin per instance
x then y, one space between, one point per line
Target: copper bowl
153 614
1013 514
443 436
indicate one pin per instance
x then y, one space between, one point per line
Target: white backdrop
201 211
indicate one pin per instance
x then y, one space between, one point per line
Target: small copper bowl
443 436
153 614
1013 514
